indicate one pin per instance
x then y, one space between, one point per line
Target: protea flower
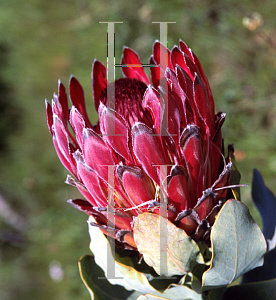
197 174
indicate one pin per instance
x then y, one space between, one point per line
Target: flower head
134 138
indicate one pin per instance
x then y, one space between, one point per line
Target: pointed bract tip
88 132
61 87
73 109
47 103
78 156
197 80
149 88
95 62
70 180
85 133
72 78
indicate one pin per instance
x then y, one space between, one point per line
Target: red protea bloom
191 148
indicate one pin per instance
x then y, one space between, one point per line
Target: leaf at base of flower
183 254
238 245
99 287
130 279
177 292
150 297
180 292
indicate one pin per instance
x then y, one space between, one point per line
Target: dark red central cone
128 99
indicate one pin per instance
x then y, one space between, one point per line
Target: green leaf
99 289
134 296
131 278
238 245
197 278
175 292
183 254
264 290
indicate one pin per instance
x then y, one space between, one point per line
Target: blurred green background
41 236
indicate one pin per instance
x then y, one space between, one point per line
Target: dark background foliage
43 41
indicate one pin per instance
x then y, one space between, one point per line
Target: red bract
196 174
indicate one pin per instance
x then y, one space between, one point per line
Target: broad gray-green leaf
238 245
150 297
175 292
180 292
183 253
131 278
